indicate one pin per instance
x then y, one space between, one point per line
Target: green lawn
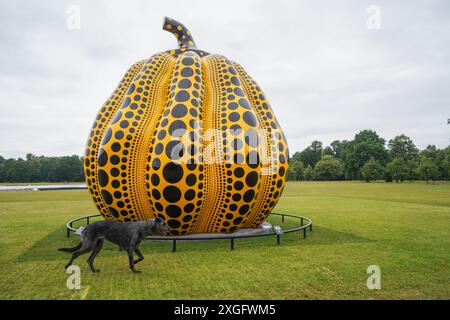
403 228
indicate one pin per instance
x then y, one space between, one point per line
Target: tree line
368 157
42 169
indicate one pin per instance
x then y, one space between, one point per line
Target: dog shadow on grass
46 247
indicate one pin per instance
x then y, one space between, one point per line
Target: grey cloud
327 76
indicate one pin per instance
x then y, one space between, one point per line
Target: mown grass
403 228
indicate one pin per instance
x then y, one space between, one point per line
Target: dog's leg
98 246
139 254
86 247
131 260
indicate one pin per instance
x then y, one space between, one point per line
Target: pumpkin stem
185 40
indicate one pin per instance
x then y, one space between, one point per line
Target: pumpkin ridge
158 96
271 126
179 171
104 115
120 170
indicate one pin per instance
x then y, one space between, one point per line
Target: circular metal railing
304 225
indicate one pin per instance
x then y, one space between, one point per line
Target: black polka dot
102 157
114 159
116 117
115 147
175 150
191 179
179 111
156 164
232 105
184 84
174 223
107 136
182 96
102 178
239 172
114 172
156 194
244 209
113 212
252 179
159 148
172 172
118 135
234 116
238 185
189 195
155 179
172 194
173 211
187 72
177 128
107 197
244 103
249 195
187 61
237 221
251 138
250 118
188 208
124 124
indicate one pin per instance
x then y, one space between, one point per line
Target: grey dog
127 235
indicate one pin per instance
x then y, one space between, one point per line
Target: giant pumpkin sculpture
190 137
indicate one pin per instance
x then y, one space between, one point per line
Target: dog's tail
77 247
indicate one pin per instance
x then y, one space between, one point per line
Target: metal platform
305 223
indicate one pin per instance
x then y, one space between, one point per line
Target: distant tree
312 154
365 145
308 173
295 171
427 170
338 148
372 170
397 169
328 168
328 151
403 147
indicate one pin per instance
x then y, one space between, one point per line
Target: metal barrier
214 236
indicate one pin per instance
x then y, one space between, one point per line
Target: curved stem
185 40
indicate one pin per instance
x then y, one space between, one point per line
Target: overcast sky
326 74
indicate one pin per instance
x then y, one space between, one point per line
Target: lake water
41 187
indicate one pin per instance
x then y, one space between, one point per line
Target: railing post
232 243
174 245
278 239
68 232
301 222
282 218
304 233
87 220
310 227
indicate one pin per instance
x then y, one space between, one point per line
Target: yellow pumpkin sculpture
190 137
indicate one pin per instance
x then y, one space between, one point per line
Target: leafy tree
312 154
328 168
398 169
365 145
403 147
328 151
338 148
295 171
427 170
308 173
372 170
